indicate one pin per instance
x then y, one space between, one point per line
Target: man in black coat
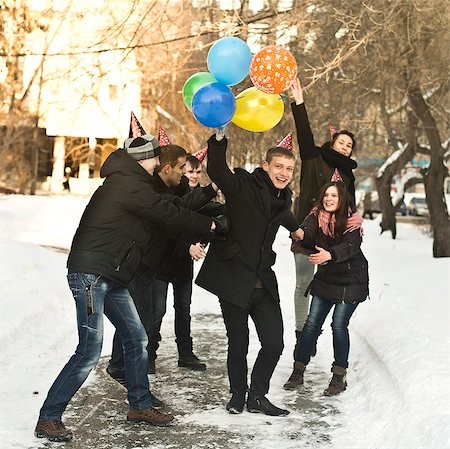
106 251
239 269
161 245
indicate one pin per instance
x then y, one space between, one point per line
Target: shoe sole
152 423
193 367
254 410
234 411
291 387
52 438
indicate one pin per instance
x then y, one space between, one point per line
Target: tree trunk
434 177
388 222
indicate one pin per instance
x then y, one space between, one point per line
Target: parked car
418 206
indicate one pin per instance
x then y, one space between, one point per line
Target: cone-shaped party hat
286 142
333 130
200 155
136 129
162 137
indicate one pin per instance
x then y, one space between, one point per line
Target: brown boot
338 382
149 415
53 430
296 378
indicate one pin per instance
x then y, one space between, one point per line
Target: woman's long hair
341 214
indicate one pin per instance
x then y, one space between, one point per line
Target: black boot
192 362
260 404
237 402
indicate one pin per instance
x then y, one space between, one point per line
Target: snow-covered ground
398 394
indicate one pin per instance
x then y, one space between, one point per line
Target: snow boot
237 402
296 378
338 382
258 403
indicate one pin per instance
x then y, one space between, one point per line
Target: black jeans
141 293
266 314
182 293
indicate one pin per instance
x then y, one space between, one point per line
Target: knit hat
286 142
142 147
162 136
136 129
201 154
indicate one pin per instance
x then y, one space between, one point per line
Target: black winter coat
232 266
345 278
115 228
315 171
162 242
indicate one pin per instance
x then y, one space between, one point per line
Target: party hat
200 155
333 130
136 129
286 142
162 137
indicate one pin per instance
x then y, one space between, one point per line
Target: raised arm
218 169
305 137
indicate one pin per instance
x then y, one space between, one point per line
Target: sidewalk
97 414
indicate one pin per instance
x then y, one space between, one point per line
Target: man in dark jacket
161 245
239 269
106 251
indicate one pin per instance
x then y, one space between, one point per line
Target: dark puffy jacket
232 266
345 278
315 172
116 225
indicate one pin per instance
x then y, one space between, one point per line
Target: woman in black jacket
332 234
319 165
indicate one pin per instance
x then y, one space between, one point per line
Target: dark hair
279 151
193 161
341 213
170 155
347 133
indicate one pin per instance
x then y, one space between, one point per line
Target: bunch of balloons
208 95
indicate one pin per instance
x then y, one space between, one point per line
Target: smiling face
280 170
330 200
343 144
193 174
173 174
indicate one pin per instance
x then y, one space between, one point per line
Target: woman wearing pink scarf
332 234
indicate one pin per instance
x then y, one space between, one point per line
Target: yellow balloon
257 111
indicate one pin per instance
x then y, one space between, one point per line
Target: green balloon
193 84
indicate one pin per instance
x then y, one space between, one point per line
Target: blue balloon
213 105
229 60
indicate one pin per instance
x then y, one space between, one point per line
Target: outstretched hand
297 91
320 257
220 133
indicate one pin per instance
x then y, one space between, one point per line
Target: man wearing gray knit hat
117 224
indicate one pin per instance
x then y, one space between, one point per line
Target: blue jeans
317 314
182 293
94 296
141 292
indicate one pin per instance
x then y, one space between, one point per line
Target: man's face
174 174
280 170
149 165
193 174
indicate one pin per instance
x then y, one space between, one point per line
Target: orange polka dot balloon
273 69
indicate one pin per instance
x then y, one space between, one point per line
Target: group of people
141 230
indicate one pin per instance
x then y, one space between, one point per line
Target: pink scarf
327 221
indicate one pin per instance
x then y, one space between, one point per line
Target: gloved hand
222 224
